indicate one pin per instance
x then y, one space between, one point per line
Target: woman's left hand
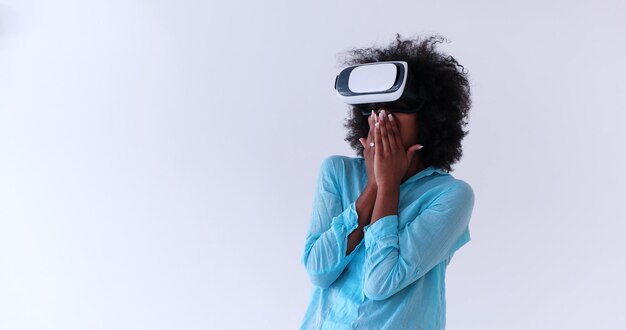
391 161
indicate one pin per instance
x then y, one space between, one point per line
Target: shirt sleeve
396 258
324 256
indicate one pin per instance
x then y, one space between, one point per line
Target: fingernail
420 147
376 125
390 117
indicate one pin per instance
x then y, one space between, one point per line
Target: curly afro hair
442 120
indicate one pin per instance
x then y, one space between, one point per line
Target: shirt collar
424 173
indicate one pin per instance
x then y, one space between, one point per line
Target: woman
385 225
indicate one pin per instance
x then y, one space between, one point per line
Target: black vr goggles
377 85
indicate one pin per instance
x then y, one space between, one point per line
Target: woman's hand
391 161
368 151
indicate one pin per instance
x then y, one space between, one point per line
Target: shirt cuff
343 225
348 220
385 226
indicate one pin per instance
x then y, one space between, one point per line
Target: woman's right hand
368 152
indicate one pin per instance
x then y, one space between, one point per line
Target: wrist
372 187
386 188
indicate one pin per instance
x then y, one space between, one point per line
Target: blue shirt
394 278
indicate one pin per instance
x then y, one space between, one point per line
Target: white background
158 158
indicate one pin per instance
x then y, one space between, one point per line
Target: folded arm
397 257
334 232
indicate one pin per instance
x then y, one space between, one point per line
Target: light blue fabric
394 278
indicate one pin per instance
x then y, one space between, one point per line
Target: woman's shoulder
450 185
339 163
442 182
344 169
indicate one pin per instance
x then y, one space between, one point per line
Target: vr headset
377 85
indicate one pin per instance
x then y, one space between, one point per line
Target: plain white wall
159 158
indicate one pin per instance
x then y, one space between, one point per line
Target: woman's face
407 125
